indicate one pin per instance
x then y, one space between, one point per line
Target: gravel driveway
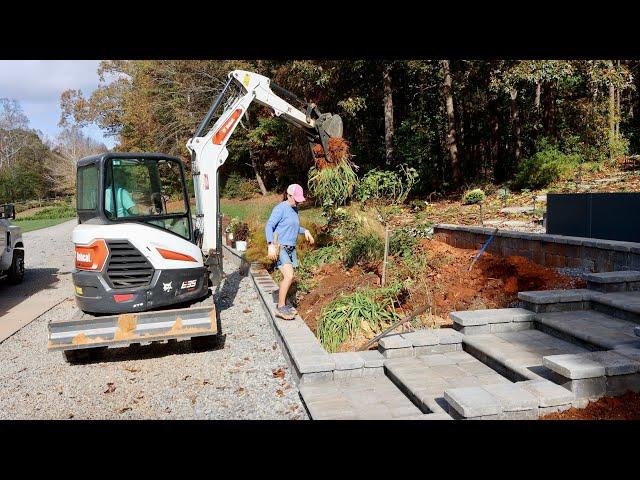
247 378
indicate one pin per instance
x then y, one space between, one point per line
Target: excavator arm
209 152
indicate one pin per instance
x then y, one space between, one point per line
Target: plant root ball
338 152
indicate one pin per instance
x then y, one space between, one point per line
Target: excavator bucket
328 126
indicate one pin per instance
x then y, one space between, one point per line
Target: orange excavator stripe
171 255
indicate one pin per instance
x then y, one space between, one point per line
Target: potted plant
230 229
241 235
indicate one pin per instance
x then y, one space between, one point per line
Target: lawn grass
37 224
258 210
246 210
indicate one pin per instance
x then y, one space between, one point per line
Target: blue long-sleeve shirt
285 221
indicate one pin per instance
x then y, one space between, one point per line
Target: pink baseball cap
296 191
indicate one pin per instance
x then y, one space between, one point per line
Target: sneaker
293 309
285 312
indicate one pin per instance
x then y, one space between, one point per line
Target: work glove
273 252
309 237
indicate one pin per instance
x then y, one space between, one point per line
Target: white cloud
37 85
40 80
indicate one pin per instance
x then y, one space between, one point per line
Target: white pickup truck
11 246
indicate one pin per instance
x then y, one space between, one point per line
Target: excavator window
150 190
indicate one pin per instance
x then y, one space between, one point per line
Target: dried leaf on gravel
110 388
246 310
274 346
125 409
279 373
132 369
279 393
240 391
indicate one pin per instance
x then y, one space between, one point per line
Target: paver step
594 330
628 280
362 398
518 355
623 305
425 378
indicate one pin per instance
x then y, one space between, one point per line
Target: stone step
518 355
424 378
613 281
365 398
595 374
497 320
624 305
508 401
591 329
420 342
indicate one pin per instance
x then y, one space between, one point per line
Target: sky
37 85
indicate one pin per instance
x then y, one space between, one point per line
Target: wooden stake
386 253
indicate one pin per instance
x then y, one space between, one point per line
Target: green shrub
545 167
402 243
341 319
503 194
387 185
363 248
473 196
248 189
236 186
320 256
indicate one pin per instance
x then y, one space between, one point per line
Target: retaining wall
588 254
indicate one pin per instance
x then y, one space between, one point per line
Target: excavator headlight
92 256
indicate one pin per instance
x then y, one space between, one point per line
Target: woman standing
284 221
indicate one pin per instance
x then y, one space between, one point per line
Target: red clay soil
445 284
493 282
625 407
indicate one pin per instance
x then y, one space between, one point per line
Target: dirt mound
493 282
445 283
625 407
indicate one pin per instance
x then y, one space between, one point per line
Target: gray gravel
247 378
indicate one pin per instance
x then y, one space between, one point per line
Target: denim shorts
286 257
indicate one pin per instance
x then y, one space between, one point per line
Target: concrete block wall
588 254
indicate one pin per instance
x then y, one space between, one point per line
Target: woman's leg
285 284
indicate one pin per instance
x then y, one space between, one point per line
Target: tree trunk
494 142
263 189
549 111
515 122
612 112
451 134
388 113
618 111
538 92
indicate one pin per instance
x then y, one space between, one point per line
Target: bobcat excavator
145 269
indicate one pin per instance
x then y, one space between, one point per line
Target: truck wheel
16 271
206 342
